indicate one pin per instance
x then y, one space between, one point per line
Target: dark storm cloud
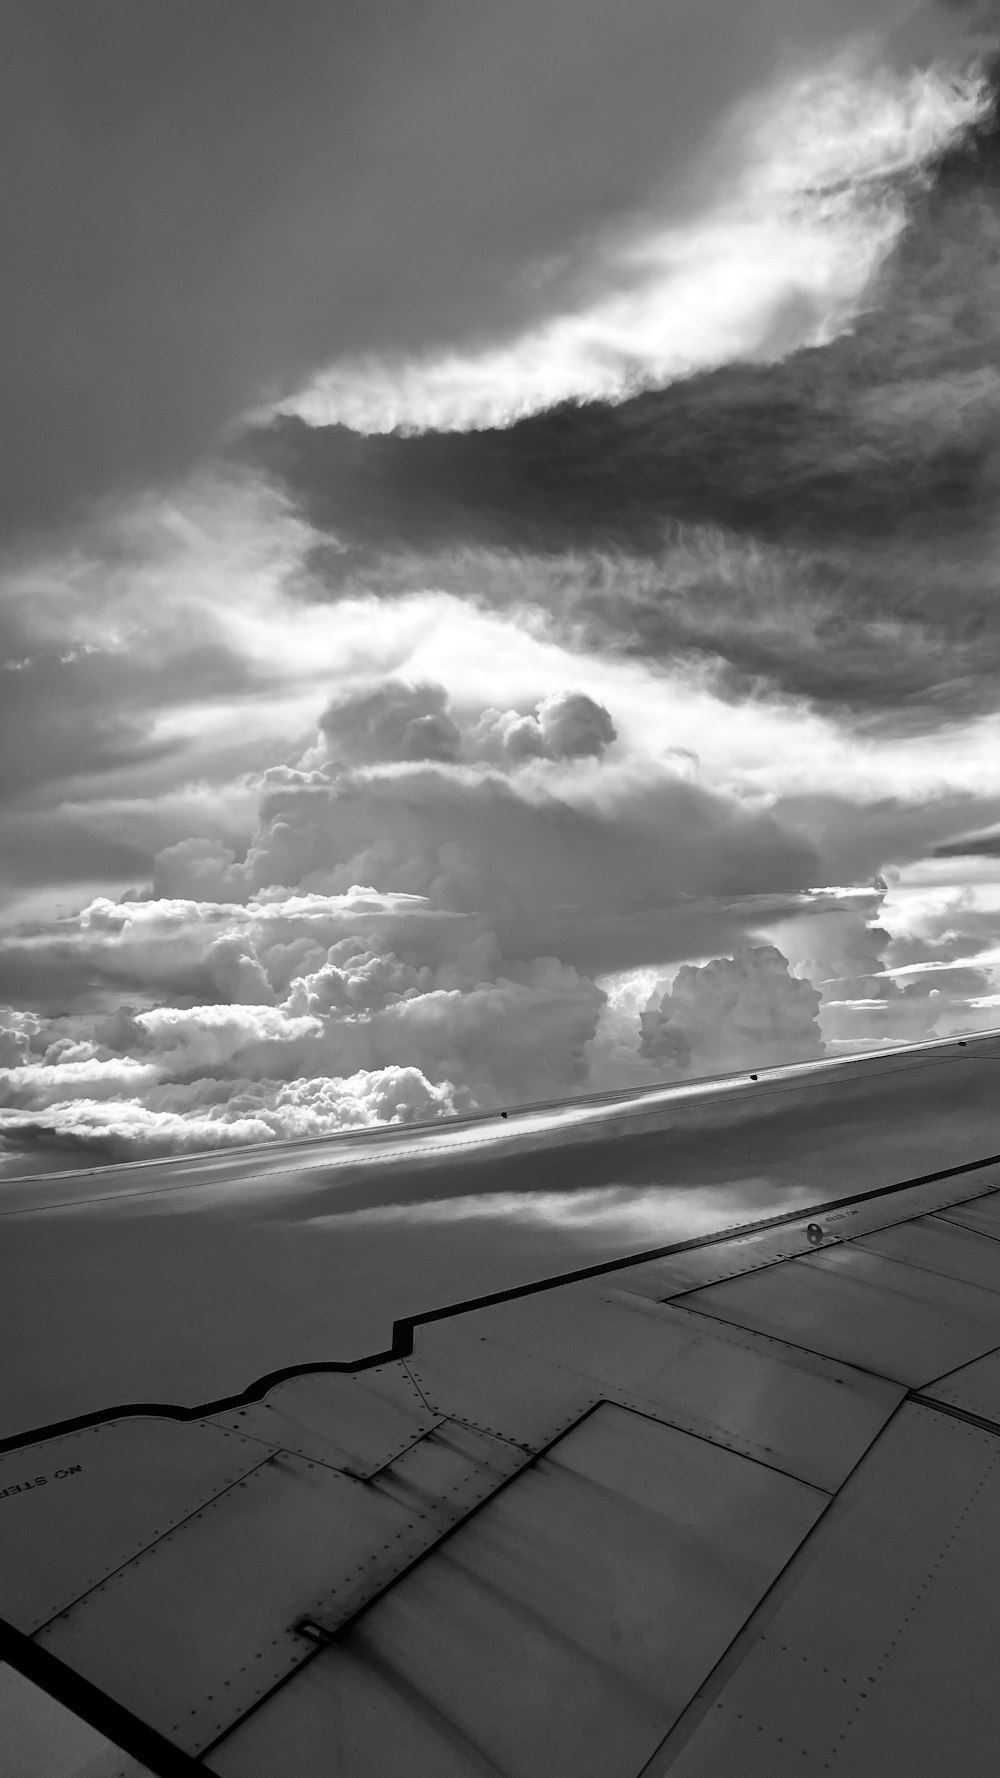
858 841
58 846
894 425
842 501
201 203
52 973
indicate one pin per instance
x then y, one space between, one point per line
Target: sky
497 553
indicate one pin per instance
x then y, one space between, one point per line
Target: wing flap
539 1638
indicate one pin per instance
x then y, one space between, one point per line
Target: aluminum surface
851 1303
880 1657
42 1739
682 1272
82 1505
357 1424
310 1593
195 1630
983 1217
559 1631
975 1387
293 1252
528 1365
937 1245
489 1382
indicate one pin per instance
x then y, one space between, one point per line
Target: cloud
560 859
785 260
895 970
973 845
789 524
330 1010
215 226
746 1011
857 628
565 725
398 721
394 721
178 1119
507 876
615 1056
16 1031
531 820
403 782
546 849
577 850
364 1036
138 663
641 1216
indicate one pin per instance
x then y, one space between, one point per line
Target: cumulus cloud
862 1004
745 1011
365 1036
16 1032
565 725
898 966
345 1048
269 993
398 721
393 721
519 854
179 1118
567 861
518 844
244 1001
616 1059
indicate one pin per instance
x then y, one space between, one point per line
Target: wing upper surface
712 1511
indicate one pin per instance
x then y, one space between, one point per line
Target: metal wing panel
802 1413
42 1739
196 1629
983 1217
865 1309
79 1507
937 1245
880 1654
357 1424
975 1387
365 1723
682 1272
561 1629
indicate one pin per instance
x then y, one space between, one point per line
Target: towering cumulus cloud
269 994
733 1013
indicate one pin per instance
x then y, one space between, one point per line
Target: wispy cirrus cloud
812 175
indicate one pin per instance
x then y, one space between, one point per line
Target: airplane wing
653 1434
